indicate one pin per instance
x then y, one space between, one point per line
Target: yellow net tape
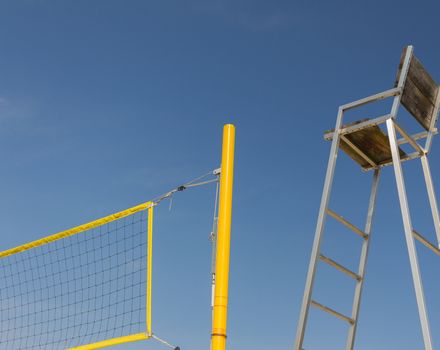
76 230
114 341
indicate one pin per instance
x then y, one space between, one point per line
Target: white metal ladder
370 147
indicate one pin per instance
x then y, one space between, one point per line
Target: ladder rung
425 242
340 267
347 223
331 311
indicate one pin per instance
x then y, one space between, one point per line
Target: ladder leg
418 286
431 195
318 234
363 262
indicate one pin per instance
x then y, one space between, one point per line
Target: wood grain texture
419 93
373 142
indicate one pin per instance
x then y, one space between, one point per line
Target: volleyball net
90 287
85 288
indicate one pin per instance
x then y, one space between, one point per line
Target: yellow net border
88 226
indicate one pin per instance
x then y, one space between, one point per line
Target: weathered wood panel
422 80
420 91
417 104
373 143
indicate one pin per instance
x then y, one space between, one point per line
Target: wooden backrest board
419 93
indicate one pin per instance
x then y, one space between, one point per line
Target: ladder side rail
418 286
363 261
431 195
302 322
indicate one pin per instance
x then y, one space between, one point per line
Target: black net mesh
78 290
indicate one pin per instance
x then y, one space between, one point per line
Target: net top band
75 230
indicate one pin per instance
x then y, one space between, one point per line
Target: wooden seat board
371 141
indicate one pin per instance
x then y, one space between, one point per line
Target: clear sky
106 104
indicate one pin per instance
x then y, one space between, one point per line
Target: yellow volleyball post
220 309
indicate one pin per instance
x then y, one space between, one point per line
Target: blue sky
106 104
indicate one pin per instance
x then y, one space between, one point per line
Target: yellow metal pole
220 310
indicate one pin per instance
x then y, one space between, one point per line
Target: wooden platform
372 142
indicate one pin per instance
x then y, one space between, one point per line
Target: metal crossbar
415 137
370 147
359 152
372 98
341 268
331 311
347 223
425 242
358 126
409 139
